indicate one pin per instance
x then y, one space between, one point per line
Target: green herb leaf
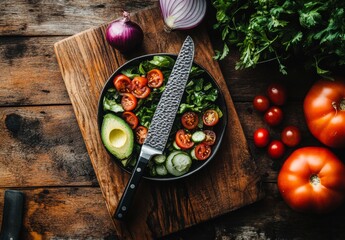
274 30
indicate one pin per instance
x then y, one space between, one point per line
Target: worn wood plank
245 84
270 218
80 213
37 17
86 61
64 213
42 146
29 72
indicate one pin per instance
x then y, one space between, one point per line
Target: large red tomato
324 110
312 179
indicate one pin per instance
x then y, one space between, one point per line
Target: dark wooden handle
132 185
12 215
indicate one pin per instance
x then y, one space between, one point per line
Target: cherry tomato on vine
276 92
276 149
122 83
261 137
155 78
291 136
273 116
261 103
190 120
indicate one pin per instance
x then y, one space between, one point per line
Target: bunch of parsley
275 30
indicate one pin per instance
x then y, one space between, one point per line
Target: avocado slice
117 136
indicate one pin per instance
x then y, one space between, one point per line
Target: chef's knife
161 123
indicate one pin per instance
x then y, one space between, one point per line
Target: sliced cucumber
129 162
161 170
182 162
169 165
153 171
200 123
192 154
172 154
159 159
175 146
198 136
178 163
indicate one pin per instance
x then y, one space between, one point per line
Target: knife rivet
124 208
132 186
138 169
119 215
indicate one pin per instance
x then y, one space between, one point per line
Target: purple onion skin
124 35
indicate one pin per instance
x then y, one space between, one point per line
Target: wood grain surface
62 188
229 182
37 18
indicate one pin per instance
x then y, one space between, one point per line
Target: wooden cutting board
227 183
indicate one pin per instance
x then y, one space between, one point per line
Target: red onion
182 14
123 34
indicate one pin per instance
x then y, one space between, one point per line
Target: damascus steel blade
169 102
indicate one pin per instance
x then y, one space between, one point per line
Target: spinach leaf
163 62
131 72
112 101
199 96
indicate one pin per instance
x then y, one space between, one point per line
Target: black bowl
219 128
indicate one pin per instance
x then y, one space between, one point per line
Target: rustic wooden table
43 154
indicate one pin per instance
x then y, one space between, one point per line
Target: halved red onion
182 14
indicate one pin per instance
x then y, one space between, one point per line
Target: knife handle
12 215
132 185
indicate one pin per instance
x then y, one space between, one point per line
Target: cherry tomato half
190 120
210 138
184 139
122 83
140 88
202 151
261 137
210 117
155 78
273 116
291 136
276 92
276 149
128 101
261 103
140 134
131 119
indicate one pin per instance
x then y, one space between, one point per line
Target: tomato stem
314 180
342 105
